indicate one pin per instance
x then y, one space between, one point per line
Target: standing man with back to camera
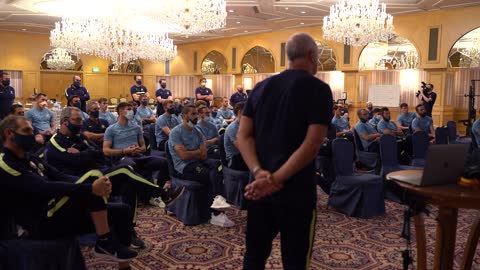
279 151
427 97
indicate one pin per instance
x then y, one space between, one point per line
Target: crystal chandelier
60 59
357 22
111 38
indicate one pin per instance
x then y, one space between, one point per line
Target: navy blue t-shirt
282 107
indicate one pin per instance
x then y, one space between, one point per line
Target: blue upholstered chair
367 158
420 142
193 207
234 180
441 135
452 134
356 195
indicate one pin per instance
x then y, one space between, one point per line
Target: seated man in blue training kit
405 118
74 154
165 123
225 112
386 126
48 204
124 142
377 116
367 133
341 124
423 122
217 118
234 158
189 155
209 131
42 119
144 112
94 127
74 101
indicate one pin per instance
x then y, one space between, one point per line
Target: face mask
207 119
77 104
363 120
203 84
378 117
163 85
76 84
6 82
171 110
370 107
240 90
144 102
139 82
129 115
214 114
422 114
25 142
386 119
75 129
192 123
95 114
43 104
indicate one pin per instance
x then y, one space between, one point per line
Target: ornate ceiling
244 16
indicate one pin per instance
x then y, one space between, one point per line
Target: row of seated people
120 156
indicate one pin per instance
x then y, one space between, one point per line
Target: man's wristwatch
255 170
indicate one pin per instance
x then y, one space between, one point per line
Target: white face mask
207 119
203 84
129 115
190 124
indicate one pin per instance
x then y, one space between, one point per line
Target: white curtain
223 85
461 87
335 79
181 86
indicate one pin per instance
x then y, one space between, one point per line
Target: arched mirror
465 53
60 59
214 63
258 60
327 61
395 53
134 66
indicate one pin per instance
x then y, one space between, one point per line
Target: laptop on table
444 165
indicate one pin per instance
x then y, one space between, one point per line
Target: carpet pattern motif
340 242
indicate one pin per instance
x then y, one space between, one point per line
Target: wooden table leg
445 238
473 238
421 242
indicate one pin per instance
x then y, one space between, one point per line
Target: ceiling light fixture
60 59
357 22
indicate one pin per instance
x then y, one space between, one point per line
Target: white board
384 95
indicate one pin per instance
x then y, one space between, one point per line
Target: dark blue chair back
221 147
420 142
343 157
452 131
153 138
442 135
388 150
358 142
171 168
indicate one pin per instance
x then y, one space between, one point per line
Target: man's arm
86 95
432 131
184 154
93 136
425 98
166 130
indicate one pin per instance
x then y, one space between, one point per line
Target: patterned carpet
340 242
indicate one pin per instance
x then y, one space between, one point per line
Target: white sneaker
221 220
157 202
219 202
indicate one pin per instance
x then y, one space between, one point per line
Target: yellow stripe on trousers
312 235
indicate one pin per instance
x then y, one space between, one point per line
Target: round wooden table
448 198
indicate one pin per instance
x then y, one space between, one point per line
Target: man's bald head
302 47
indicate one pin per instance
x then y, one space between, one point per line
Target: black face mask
214 114
370 107
363 120
95 114
25 142
75 129
171 110
144 102
422 114
240 90
6 83
194 121
76 84
163 85
77 104
139 82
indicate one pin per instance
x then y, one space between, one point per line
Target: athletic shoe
157 202
219 202
221 220
107 248
137 242
171 194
